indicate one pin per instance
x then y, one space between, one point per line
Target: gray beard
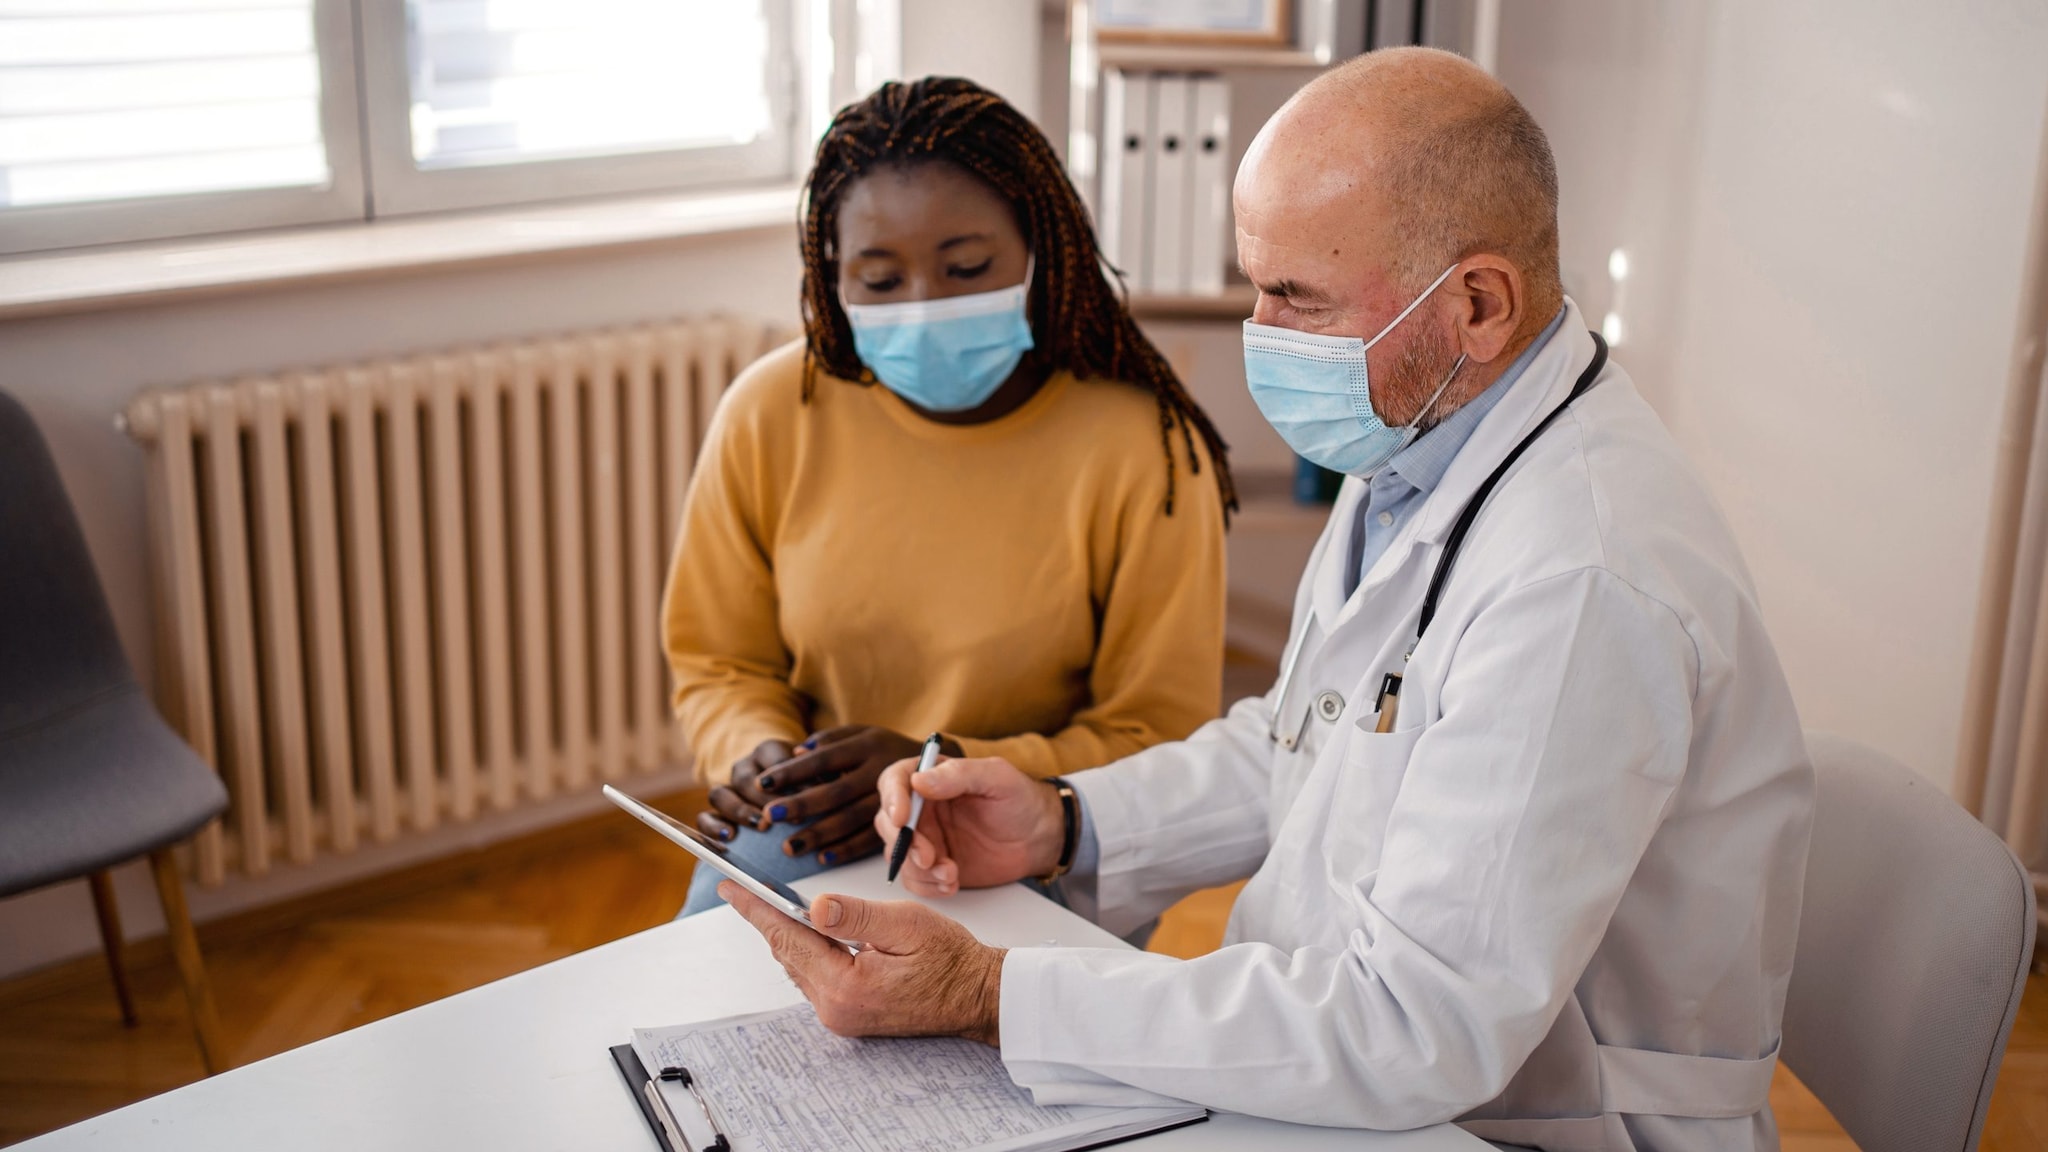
1420 371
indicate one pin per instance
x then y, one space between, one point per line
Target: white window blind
478 102
130 120
107 100
510 81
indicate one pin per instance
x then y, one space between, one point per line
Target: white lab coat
1558 903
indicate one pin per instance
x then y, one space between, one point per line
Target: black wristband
1070 841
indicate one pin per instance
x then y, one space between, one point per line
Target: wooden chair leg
191 968
102 883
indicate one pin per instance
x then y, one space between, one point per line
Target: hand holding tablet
778 895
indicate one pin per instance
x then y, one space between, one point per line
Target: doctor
1530 859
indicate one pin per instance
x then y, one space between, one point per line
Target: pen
902 848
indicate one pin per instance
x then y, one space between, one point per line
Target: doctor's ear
1488 303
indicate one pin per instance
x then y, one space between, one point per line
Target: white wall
995 43
1826 206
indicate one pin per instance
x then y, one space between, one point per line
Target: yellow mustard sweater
1016 585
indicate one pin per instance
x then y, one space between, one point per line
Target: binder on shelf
1172 174
1209 186
1127 172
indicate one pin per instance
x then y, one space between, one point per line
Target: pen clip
1389 706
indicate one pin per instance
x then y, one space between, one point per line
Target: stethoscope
1390 687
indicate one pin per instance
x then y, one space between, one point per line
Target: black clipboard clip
679 1073
654 1106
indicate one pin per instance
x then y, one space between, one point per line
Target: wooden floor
288 976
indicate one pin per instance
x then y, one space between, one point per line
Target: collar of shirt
1398 490
1423 463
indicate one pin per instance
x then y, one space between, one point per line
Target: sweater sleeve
719 613
1158 670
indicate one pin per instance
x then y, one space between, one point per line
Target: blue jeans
762 852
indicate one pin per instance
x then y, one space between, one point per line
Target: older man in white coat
1530 859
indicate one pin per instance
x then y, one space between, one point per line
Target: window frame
397 186
46 227
827 53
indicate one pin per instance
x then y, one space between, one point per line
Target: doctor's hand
985 823
921 974
830 780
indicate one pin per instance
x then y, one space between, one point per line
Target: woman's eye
886 284
969 273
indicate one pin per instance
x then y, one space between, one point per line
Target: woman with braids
974 499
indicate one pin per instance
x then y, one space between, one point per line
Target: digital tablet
778 895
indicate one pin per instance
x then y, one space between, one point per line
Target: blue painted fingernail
779 812
725 833
829 858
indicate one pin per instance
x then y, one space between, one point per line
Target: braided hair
1079 322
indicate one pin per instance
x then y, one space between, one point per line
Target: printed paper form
779 1081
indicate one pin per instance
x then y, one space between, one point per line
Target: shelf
1234 304
1183 58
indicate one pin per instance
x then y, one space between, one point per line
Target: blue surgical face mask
945 355
1315 392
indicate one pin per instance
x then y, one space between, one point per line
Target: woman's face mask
947 355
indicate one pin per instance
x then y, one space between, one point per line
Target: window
496 101
135 119
131 119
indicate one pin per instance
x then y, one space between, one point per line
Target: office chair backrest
1914 942
58 647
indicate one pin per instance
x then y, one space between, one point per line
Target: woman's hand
832 780
985 823
741 802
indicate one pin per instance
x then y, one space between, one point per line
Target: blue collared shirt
1395 494
1400 489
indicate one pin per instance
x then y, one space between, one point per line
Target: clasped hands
829 779
922 973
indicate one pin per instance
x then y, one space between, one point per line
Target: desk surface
522 1065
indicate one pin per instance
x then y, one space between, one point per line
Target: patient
973 500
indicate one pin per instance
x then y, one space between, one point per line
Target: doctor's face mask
1314 390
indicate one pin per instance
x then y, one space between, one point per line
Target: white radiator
410 591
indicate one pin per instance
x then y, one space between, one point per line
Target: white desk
521 1064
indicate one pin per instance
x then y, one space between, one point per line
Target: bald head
1377 177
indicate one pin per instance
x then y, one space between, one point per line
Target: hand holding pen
982 823
929 757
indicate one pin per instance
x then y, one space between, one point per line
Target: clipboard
668 1134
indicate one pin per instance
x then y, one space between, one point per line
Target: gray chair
1914 944
90 776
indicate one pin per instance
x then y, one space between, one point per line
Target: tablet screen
782 896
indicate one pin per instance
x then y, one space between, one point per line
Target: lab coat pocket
1369 778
